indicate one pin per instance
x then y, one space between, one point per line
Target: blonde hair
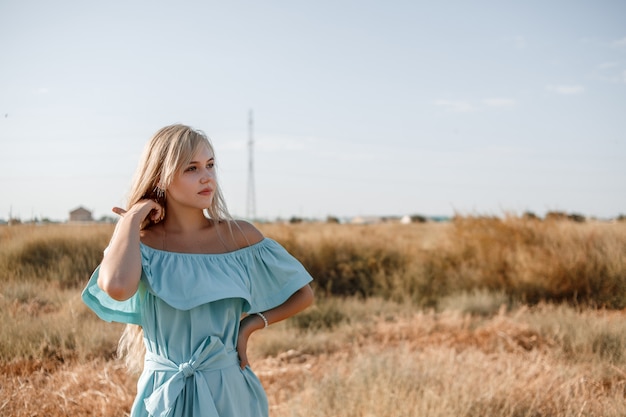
169 150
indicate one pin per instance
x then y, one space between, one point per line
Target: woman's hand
154 211
247 326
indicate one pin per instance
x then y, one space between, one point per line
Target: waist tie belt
210 356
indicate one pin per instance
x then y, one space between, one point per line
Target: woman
182 270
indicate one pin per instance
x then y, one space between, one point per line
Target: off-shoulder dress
189 306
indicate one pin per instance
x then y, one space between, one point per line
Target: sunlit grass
514 363
505 317
58 254
527 260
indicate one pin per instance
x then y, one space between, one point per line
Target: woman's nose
208 175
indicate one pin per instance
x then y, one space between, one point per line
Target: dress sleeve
107 308
274 276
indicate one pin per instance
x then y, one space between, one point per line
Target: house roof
80 209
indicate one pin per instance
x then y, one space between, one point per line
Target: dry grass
389 360
452 364
533 261
61 255
454 319
48 388
528 260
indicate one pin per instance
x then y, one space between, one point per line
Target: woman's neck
185 222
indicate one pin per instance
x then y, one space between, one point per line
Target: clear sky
360 107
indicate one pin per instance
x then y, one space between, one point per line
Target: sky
360 108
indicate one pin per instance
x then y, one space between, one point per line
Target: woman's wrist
265 322
251 323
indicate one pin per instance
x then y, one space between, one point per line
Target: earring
159 193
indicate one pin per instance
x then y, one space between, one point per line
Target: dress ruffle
263 274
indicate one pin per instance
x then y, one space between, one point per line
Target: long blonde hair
171 148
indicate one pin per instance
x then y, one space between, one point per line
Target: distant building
80 214
366 220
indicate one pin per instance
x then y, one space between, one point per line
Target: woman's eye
191 168
211 165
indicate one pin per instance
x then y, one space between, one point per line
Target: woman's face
195 184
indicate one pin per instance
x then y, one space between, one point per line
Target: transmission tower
250 203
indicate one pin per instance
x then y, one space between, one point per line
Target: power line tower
251 200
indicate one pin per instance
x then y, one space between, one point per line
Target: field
477 317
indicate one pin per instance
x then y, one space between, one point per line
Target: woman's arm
300 300
120 269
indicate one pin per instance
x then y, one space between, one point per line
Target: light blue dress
189 306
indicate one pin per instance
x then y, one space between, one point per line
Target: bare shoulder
243 233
